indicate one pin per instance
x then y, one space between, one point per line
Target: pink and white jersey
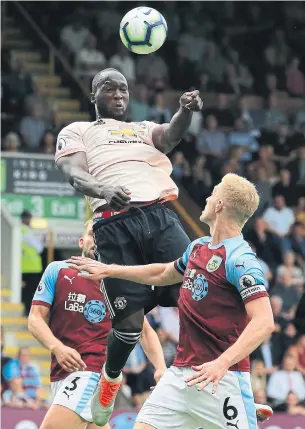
121 154
218 282
78 315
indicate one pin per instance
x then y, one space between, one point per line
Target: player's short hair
88 225
99 76
240 196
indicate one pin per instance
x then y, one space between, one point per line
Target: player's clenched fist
117 197
191 101
69 359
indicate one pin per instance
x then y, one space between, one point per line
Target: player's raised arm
153 274
166 136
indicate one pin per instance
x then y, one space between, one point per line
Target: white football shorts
75 392
174 405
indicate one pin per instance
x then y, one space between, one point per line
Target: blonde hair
87 225
240 197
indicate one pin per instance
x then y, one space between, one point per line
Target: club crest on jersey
95 311
120 302
214 263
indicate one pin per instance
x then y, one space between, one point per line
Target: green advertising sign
32 182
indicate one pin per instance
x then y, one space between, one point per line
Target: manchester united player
76 335
123 171
225 314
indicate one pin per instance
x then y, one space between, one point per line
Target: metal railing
53 51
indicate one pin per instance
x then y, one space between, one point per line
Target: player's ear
92 98
81 242
219 206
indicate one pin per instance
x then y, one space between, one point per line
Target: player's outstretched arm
68 358
167 136
75 168
153 350
153 274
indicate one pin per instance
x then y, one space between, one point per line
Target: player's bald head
103 75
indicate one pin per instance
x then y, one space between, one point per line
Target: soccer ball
143 30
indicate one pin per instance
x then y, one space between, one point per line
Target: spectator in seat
243 138
193 42
159 113
205 84
182 72
11 142
297 170
239 79
266 243
299 120
265 160
299 351
295 242
300 211
19 85
273 115
181 168
213 64
151 69
271 84
289 267
279 217
124 62
264 190
258 375
169 322
139 108
222 112
279 43
286 380
211 141
108 20
253 118
286 188
270 353
30 377
48 143
139 376
32 127
284 144
73 37
289 293
89 61
299 320
295 80
169 348
260 397
202 181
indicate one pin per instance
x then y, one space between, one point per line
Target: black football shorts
141 236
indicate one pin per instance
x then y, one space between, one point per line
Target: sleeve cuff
43 303
179 266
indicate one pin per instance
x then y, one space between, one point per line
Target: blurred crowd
237 51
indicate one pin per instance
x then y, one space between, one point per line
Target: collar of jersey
238 238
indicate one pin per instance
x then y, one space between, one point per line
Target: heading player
76 335
225 314
123 170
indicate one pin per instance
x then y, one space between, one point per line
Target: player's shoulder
54 268
75 127
237 248
198 242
